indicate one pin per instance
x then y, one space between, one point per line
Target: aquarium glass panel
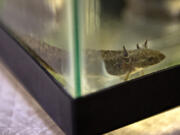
126 39
45 28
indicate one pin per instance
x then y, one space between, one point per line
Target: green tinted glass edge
77 60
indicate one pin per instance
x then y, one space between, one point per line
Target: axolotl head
144 57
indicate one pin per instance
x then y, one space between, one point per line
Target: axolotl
129 61
116 62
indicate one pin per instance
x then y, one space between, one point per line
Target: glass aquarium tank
84 58
90 45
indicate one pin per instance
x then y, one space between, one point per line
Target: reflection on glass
42 29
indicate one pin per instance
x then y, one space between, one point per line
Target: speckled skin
117 64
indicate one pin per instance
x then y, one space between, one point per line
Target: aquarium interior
90 45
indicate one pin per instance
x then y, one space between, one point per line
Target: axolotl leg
127 76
